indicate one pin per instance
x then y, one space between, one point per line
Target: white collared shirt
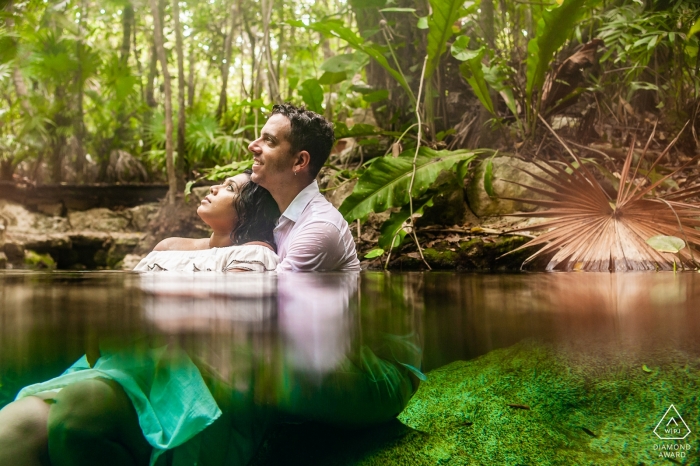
312 236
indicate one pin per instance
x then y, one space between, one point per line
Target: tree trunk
272 78
150 79
180 165
190 77
127 21
79 81
253 59
225 65
163 59
398 107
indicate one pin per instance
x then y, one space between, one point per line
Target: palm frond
587 230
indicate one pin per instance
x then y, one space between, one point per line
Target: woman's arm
182 244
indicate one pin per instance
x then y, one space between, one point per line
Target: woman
242 239
131 406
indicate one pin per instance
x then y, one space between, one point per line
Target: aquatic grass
584 410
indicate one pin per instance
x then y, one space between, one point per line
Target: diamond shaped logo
672 426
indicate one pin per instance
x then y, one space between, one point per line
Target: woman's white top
253 258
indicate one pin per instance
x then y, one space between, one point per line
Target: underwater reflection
208 357
641 314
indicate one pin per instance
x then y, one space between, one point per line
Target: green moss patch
525 404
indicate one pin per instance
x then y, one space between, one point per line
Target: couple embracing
244 211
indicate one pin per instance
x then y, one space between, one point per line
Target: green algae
582 411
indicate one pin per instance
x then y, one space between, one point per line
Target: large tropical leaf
445 13
312 94
553 28
386 182
337 29
392 228
587 230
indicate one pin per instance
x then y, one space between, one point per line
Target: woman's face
217 209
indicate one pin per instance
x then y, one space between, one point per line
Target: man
311 235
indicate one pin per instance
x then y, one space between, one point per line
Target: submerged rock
526 404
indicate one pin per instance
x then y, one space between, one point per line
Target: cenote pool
557 368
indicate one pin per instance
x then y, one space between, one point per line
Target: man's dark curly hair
257 214
310 132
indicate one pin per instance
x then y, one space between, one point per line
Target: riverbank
73 227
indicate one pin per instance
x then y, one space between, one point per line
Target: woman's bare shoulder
182 244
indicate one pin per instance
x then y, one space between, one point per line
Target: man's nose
253 147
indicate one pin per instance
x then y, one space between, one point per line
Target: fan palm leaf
586 229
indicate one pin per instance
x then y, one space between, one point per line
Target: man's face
273 161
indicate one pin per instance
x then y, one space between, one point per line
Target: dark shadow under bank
525 404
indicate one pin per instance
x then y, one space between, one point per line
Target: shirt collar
301 201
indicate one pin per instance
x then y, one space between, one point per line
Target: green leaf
232 169
358 130
188 189
445 13
488 178
312 94
374 253
422 22
337 29
339 63
553 28
392 229
646 369
460 49
664 243
386 181
332 78
694 30
376 96
473 72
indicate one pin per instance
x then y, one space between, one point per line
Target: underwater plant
588 230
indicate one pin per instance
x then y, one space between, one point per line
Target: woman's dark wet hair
257 214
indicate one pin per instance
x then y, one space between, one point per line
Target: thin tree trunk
180 164
127 21
137 59
190 77
150 79
162 58
253 59
79 82
272 79
225 65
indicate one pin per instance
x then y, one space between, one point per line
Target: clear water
245 327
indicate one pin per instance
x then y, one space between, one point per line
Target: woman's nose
214 189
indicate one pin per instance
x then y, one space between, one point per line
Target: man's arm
317 248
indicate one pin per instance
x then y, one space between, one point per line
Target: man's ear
302 161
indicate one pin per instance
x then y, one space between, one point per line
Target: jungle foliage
414 88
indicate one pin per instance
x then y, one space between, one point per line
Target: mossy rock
477 254
526 404
34 260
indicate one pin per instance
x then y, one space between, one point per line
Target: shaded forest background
136 91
